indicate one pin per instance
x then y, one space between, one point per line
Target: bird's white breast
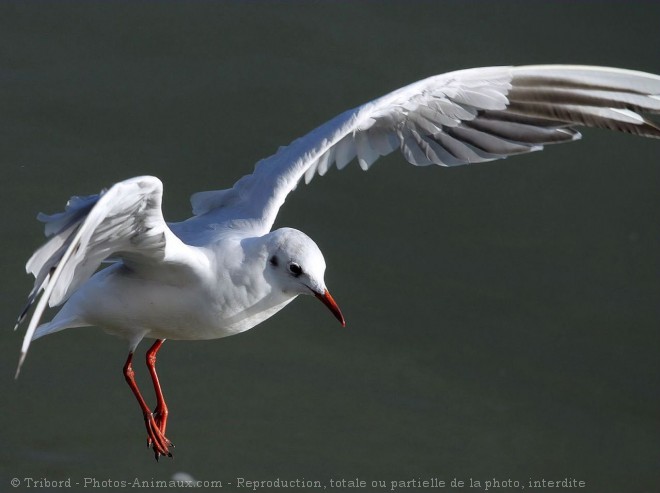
231 298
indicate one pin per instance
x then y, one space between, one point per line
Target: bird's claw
155 437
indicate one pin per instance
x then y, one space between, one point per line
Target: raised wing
462 117
124 222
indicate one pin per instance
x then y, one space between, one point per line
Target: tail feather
51 327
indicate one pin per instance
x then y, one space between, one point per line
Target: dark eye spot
273 261
295 269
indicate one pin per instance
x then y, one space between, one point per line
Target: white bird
223 271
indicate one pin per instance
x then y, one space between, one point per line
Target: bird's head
296 265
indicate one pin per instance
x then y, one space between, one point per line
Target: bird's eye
273 261
295 269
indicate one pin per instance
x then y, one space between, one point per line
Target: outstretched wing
124 222
462 117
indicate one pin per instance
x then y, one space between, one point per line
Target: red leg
159 442
161 412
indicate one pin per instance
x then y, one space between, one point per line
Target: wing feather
461 117
124 222
382 140
522 132
326 160
366 154
488 142
345 151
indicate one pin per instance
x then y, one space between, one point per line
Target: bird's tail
55 325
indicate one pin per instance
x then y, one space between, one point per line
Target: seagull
223 271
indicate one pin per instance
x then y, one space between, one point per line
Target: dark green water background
503 319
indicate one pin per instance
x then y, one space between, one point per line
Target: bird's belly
220 324
163 311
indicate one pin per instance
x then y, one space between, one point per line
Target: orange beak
329 301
